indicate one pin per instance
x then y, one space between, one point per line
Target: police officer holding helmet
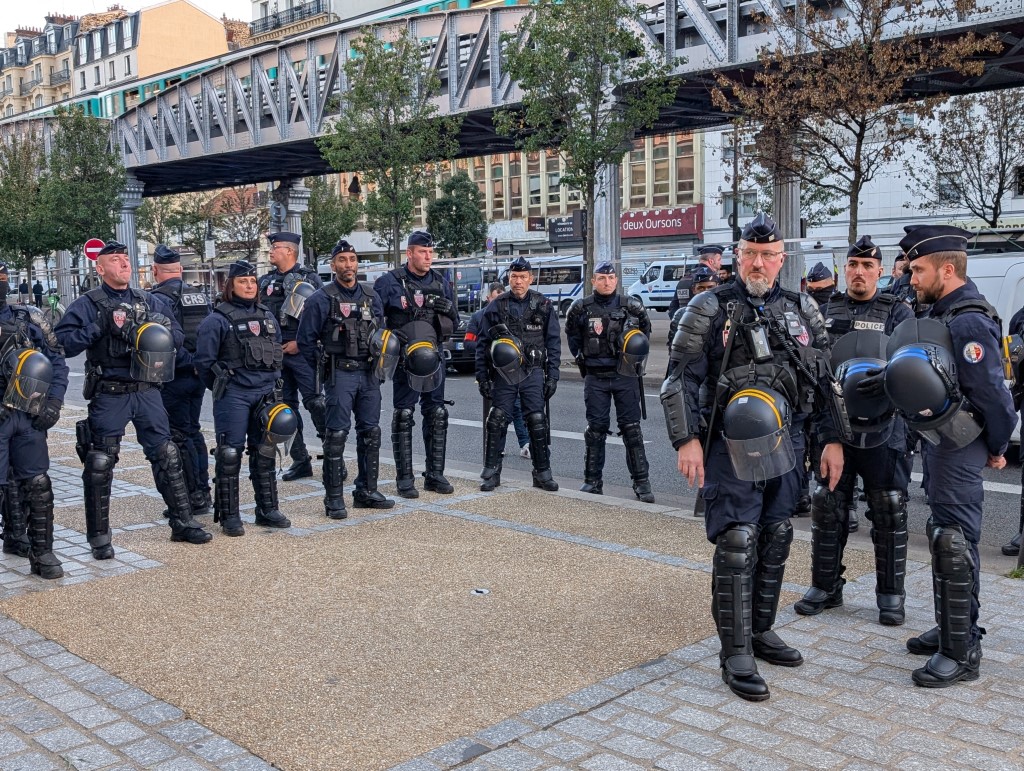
609 337
859 321
419 305
336 333
762 351
517 357
129 338
33 381
944 374
710 258
284 291
239 357
183 396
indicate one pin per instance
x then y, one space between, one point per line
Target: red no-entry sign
92 248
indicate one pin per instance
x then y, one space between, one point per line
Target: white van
657 286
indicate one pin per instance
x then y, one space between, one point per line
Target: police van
657 286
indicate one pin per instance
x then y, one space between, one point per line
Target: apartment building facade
36 65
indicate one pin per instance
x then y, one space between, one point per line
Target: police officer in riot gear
283 291
821 283
710 258
966 429
183 396
33 381
335 333
703 278
596 330
419 305
900 287
761 350
116 325
517 357
878 453
239 357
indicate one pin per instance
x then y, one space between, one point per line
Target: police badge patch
254 327
418 298
974 352
404 302
345 308
119 318
598 326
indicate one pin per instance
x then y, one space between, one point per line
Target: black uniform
594 330
885 470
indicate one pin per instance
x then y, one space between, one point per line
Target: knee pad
735 549
166 455
774 541
371 437
951 554
535 421
99 462
498 419
888 508
403 420
436 417
631 433
228 460
38 491
334 441
595 433
827 507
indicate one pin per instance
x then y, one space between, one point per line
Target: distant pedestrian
23 291
37 290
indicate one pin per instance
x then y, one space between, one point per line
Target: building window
661 185
264 10
127 65
113 72
96 75
946 187
1018 181
83 49
97 44
10 110
747 204
112 38
126 31
637 176
684 169
39 100
533 183
480 177
515 185
497 188
81 80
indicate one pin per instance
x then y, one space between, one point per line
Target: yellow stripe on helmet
420 344
509 341
763 397
629 334
22 358
274 412
138 332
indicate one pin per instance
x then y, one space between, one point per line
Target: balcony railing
292 15
60 76
28 85
6 91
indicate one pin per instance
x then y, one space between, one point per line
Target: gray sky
14 13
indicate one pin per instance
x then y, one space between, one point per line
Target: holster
221 377
93 375
83 439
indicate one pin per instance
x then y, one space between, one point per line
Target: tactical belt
348 365
602 374
119 387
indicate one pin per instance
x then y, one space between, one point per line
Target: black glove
161 319
442 306
873 385
48 415
486 388
549 388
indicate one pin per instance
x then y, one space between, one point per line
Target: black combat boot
435 439
366 495
38 495
226 470
97 479
170 482
828 540
496 430
15 517
773 544
540 453
402 423
887 510
593 459
302 463
636 462
334 474
264 484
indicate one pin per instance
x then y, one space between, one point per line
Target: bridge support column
786 205
65 276
127 234
293 195
607 213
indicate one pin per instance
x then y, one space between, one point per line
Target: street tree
974 158
456 219
154 219
589 81
26 229
833 99
329 216
194 215
389 130
240 218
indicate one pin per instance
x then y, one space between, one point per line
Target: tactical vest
415 302
276 286
251 344
190 308
967 305
349 324
603 333
530 327
839 320
112 350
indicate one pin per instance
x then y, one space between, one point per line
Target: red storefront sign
659 223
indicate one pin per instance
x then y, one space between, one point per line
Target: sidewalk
506 630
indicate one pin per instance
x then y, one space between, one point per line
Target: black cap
113 247
605 267
519 265
702 274
165 256
342 246
241 268
929 239
761 230
710 249
421 238
819 273
284 237
864 248
3 268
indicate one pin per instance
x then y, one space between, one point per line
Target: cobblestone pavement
851 705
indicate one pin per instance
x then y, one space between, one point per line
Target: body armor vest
416 305
967 304
275 287
251 344
349 324
839 319
603 334
530 327
111 350
190 308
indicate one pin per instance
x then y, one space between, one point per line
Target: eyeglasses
766 256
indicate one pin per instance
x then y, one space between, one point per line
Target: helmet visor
429 377
278 430
631 365
763 458
386 362
296 301
27 394
152 367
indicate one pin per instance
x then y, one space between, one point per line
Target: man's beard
757 287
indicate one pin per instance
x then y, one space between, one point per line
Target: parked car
459 353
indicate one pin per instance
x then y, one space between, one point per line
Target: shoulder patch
973 352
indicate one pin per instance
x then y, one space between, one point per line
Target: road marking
560 434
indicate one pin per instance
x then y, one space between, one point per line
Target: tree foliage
240 219
455 219
389 130
193 213
834 99
25 229
329 216
974 158
588 83
155 219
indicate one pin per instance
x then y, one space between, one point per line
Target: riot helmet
756 428
296 299
423 366
507 359
28 374
386 351
278 423
153 352
633 353
854 355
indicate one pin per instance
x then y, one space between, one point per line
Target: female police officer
238 356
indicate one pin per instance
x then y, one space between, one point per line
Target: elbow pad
677 414
694 327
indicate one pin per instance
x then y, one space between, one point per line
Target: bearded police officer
858 323
336 333
419 305
284 291
609 337
239 357
517 357
762 351
129 338
944 374
33 381
711 258
183 396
